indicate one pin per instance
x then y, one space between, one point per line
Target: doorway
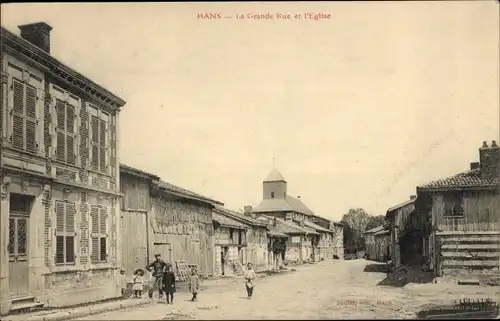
20 208
223 258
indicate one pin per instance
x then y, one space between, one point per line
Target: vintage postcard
250 160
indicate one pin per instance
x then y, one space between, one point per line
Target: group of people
164 281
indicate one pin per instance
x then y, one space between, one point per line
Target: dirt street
333 289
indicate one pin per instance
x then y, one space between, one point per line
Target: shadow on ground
376 268
401 276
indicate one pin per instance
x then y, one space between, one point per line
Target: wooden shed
464 212
371 249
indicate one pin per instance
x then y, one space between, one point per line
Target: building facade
59 240
463 212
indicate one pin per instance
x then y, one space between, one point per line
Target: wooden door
134 246
18 255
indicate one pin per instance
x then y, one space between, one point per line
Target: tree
355 222
375 221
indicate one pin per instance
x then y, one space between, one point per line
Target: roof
186 193
382 232
288 227
274 233
405 203
16 45
316 227
274 176
466 180
287 204
227 221
374 230
239 217
137 172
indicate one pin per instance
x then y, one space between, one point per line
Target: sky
357 109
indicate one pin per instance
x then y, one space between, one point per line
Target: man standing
158 268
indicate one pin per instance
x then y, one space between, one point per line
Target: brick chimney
412 197
474 165
38 34
489 160
248 211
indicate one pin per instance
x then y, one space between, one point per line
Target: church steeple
274 185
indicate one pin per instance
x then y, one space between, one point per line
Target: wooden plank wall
136 193
256 250
481 212
188 228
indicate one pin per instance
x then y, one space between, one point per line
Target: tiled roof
227 221
186 193
288 227
274 233
468 179
135 171
316 227
238 216
274 176
287 204
374 230
405 203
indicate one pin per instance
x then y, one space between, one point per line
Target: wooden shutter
70 132
31 99
103 217
102 145
70 232
61 141
94 215
18 112
60 209
94 142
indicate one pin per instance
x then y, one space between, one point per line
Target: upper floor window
453 205
25 100
99 140
66 109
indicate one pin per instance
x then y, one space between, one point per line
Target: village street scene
148 173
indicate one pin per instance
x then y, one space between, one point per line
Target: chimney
298 197
248 211
489 160
412 197
474 165
38 34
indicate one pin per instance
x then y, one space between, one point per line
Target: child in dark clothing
169 284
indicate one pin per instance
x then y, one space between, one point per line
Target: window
99 235
24 101
99 140
65 115
453 205
65 132
272 194
65 233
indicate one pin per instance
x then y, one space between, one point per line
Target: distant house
464 216
382 245
370 245
230 241
277 203
398 217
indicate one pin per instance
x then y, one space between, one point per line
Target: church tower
274 186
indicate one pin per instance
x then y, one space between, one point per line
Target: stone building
59 178
328 242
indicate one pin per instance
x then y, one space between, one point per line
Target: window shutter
18 111
94 215
70 132
60 217
31 119
59 249
70 218
60 123
94 128
103 217
70 249
102 145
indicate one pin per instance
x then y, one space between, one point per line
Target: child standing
194 284
169 284
138 283
122 282
249 277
